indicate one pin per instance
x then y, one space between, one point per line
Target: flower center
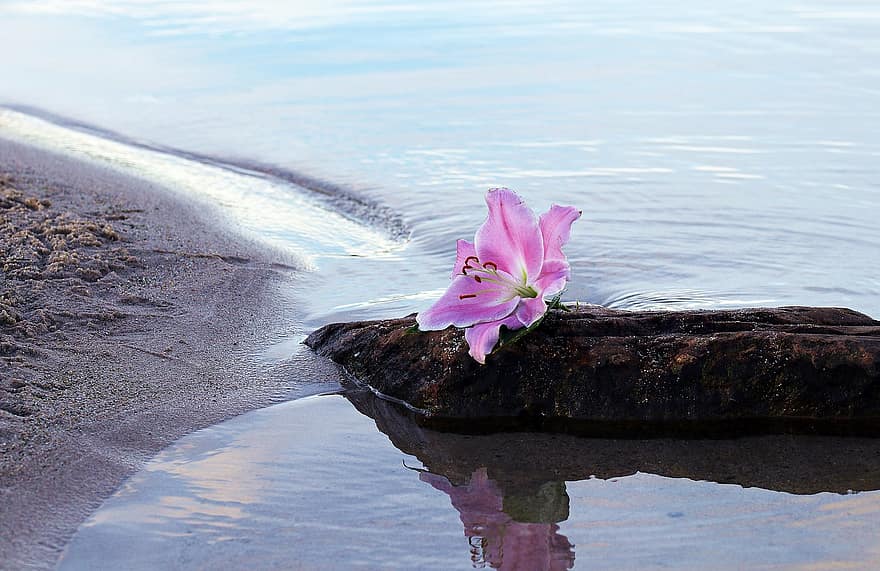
488 272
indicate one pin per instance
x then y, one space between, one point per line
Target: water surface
724 154
311 484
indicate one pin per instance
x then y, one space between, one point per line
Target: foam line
275 211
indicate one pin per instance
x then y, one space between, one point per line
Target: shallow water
311 484
724 156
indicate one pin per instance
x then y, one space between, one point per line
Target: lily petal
465 303
530 310
556 229
510 237
483 337
464 250
554 276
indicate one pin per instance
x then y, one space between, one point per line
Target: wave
301 215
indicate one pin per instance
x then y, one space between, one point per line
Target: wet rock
816 369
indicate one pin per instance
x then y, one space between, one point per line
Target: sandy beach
127 319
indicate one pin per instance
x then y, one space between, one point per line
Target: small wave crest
299 215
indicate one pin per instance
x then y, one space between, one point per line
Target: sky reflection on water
312 485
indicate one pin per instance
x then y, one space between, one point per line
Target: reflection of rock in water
501 540
521 463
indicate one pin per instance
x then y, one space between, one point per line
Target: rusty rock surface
599 365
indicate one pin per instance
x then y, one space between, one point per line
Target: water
311 484
724 155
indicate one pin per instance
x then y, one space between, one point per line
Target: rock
600 370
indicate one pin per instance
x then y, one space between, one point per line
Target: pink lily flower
504 275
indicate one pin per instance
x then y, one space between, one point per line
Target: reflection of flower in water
497 540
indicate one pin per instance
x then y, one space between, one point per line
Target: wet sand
127 319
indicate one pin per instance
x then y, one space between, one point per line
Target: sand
127 319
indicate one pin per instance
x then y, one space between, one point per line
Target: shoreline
127 319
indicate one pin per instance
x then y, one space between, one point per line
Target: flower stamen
467 264
488 272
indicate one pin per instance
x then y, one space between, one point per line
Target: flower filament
488 272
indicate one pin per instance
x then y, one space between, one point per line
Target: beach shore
127 319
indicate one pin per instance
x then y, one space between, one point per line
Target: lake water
724 155
311 484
